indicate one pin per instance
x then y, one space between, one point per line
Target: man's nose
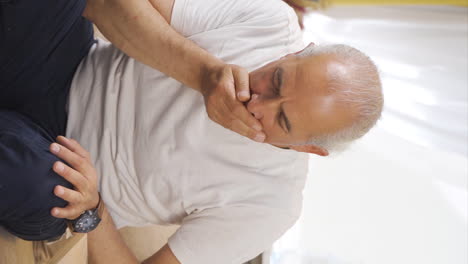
259 106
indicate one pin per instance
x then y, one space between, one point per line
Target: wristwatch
89 220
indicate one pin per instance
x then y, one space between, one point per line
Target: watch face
87 222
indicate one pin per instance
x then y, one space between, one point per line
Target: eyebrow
280 85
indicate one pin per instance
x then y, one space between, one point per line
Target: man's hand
224 89
83 176
142 32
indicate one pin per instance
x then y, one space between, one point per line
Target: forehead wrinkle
300 104
290 84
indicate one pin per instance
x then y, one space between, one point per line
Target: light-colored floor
400 194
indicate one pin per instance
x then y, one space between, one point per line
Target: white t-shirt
161 160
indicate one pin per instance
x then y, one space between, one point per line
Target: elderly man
158 156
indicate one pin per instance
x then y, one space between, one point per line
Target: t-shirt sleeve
228 235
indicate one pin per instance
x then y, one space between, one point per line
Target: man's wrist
89 219
96 201
209 74
100 206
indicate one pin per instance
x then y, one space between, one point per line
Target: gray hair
364 93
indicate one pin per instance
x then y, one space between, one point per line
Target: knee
27 182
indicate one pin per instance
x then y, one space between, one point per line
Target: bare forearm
139 30
105 244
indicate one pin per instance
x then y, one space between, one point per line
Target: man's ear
310 149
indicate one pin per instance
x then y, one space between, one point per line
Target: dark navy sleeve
41 45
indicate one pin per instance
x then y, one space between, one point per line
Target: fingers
241 83
253 126
71 196
69 212
74 198
80 173
76 161
224 97
241 128
241 113
233 115
71 175
73 145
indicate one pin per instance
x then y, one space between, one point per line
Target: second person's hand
224 89
81 173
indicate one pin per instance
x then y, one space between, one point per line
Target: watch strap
97 211
100 206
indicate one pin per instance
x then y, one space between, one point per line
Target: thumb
241 82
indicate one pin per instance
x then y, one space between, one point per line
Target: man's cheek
268 125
